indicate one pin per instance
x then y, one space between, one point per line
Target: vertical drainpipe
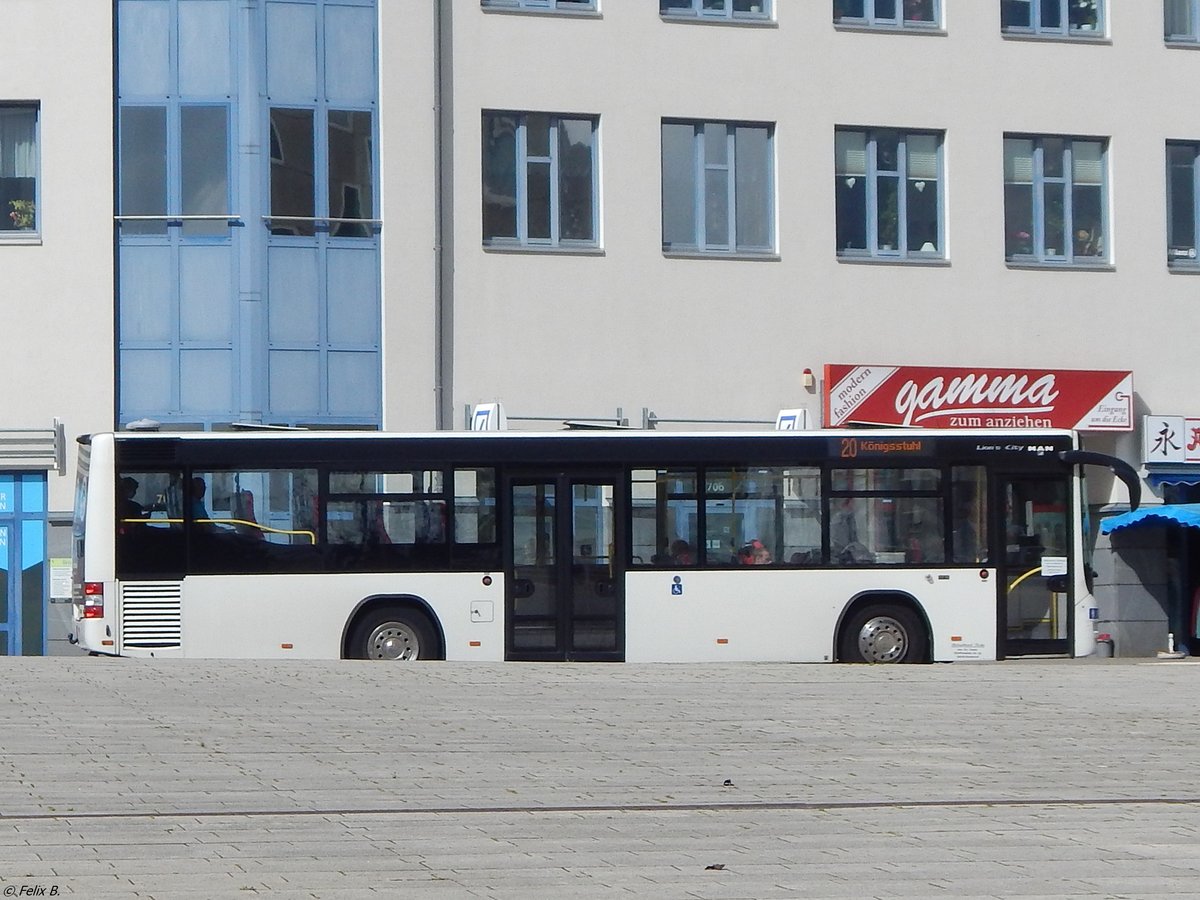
443 127
116 233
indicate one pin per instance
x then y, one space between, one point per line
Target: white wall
408 190
551 333
58 293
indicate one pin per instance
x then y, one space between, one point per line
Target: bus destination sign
855 447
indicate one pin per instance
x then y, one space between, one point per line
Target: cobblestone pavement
123 778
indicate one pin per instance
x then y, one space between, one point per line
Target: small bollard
1104 646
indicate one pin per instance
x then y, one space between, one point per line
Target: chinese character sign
1170 439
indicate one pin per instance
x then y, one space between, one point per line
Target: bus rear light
93 600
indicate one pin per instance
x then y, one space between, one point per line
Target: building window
716 9
888 188
552 5
1055 200
1183 212
888 13
718 187
1076 18
539 180
18 168
1181 20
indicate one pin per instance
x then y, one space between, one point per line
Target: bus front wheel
883 633
393 634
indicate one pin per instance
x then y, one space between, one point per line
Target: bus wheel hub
882 639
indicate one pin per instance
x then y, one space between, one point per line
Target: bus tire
395 634
883 633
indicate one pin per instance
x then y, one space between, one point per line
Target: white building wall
58 291
629 327
408 190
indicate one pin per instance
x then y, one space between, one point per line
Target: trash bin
1104 646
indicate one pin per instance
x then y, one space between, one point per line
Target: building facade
379 213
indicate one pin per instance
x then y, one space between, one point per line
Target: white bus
865 545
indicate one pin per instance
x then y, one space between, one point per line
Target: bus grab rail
1120 468
311 535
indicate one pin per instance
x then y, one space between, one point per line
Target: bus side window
149 524
968 530
665 517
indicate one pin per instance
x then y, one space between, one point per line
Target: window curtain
1178 18
18 149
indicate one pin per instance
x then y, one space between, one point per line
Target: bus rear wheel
398 635
883 633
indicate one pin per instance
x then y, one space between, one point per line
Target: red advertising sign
938 397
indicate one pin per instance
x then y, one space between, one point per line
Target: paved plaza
125 778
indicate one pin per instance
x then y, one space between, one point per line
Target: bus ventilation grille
150 614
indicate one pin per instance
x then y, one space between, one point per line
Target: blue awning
1157 477
1186 514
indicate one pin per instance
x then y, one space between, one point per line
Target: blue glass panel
144 168
350 55
354 384
146 380
33 493
143 30
204 168
8 494
5 618
146 294
33 543
291 52
353 297
206 294
294 382
204 54
206 382
292 302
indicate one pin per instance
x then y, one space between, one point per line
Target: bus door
565 581
1034 581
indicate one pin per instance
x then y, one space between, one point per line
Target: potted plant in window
1083 15
22 214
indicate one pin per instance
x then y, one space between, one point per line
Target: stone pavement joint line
748 806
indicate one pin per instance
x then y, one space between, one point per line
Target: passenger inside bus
755 553
128 508
200 517
681 553
245 524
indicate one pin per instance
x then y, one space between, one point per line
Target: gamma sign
938 397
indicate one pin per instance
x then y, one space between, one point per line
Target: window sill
1183 268
720 254
1060 266
934 261
20 237
1096 37
866 27
535 250
551 13
764 22
1182 43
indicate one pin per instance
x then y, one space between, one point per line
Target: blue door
22 564
8 610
